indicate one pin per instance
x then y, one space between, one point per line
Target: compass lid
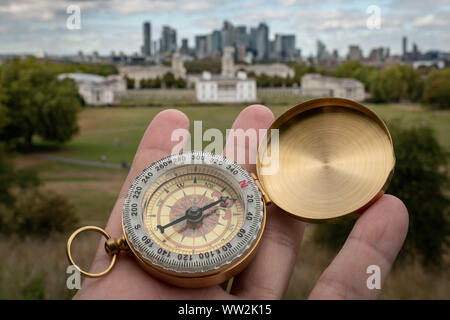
332 157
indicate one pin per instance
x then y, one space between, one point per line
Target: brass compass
195 219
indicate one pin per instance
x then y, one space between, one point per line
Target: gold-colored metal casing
335 158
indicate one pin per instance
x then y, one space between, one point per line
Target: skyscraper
354 53
253 39
168 40
227 34
147 35
288 51
184 45
241 36
216 41
201 46
404 47
262 42
321 51
278 47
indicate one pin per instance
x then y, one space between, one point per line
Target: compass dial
182 192
193 213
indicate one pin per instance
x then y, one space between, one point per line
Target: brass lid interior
335 156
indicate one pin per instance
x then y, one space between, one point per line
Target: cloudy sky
35 26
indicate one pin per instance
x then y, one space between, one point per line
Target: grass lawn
116 132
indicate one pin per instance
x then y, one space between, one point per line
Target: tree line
393 84
167 81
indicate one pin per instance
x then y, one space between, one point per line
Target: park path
82 162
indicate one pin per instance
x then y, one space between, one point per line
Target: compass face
193 213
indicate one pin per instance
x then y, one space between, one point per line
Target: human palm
375 239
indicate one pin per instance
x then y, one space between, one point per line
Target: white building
98 90
274 69
222 89
316 85
138 73
226 87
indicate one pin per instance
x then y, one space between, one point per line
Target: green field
115 133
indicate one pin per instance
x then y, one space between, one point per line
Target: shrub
393 84
41 213
419 180
35 288
385 85
130 83
437 89
11 178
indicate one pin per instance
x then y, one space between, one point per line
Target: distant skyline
36 26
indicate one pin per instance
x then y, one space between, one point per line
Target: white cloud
116 24
430 21
45 10
288 3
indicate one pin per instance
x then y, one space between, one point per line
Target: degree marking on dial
203 233
188 202
186 229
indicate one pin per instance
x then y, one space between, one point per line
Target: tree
200 66
37 103
364 74
412 83
130 83
437 89
289 81
348 69
144 83
277 81
180 83
156 83
354 69
419 180
263 80
386 85
169 80
396 83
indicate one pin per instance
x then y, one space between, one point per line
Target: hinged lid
332 157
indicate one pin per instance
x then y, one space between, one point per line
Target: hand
375 239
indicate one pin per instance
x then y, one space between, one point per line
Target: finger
242 142
155 144
376 240
268 275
